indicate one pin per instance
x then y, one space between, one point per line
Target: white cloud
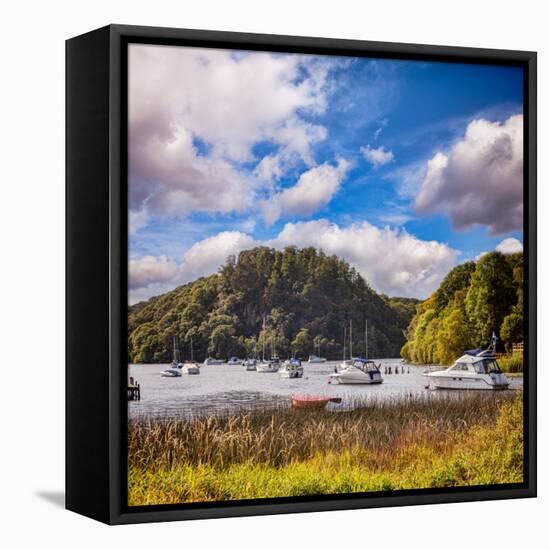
392 261
196 114
510 246
377 157
269 168
314 190
149 270
479 181
206 256
137 219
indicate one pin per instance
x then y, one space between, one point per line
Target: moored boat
273 365
316 359
190 367
233 361
312 401
292 368
171 372
212 361
361 371
475 370
249 364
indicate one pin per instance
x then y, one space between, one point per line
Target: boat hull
350 379
291 374
170 373
465 383
267 368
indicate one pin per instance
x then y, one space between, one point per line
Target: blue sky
420 162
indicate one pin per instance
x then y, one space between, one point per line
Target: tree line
474 300
292 302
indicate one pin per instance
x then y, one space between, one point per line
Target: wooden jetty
134 391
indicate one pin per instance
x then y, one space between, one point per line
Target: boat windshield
487 366
368 366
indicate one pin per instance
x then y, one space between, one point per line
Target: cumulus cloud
480 180
149 270
377 157
314 190
206 256
391 260
510 246
196 114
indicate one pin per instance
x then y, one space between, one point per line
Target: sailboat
174 371
361 370
191 367
250 363
274 363
347 362
317 358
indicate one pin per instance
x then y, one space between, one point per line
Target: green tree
490 297
511 330
302 343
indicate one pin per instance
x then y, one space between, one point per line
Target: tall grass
511 363
404 443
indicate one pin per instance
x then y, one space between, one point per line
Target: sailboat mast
366 339
263 340
174 351
350 339
345 338
191 349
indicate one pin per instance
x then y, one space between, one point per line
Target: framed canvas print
301 274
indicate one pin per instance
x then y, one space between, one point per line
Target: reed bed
401 443
511 363
280 436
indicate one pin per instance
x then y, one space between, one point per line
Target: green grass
442 443
511 363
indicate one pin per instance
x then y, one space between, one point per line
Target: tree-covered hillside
304 297
474 299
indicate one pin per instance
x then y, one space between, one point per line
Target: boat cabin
479 364
365 365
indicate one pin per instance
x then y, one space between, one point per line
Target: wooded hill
294 301
474 299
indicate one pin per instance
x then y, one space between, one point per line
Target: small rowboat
312 401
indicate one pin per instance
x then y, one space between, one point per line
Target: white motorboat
361 371
475 370
272 365
316 359
233 361
249 364
172 372
212 361
292 368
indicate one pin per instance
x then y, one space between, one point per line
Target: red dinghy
312 401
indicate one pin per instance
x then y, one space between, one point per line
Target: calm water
230 388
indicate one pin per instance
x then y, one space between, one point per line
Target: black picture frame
96 272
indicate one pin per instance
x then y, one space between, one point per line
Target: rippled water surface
230 388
